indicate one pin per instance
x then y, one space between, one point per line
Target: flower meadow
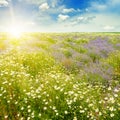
60 76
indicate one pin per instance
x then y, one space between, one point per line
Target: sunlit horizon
15 30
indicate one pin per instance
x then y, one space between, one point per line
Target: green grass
34 85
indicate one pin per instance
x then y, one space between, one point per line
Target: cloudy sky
61 15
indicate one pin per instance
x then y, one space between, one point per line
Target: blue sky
61 15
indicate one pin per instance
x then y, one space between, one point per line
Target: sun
15 30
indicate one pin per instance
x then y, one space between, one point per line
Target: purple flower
99 47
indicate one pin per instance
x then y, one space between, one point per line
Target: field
60 76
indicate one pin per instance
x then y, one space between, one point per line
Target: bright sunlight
15 30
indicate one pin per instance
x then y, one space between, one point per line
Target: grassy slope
60 76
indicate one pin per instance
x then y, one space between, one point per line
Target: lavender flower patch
118 46
99 48
99 72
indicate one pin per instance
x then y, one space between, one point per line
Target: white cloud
87 10
115 1
68 10
3 3
97 6
85 19
80 18
107 6
108 28
62 17
44 6
54 3
101 7
36 2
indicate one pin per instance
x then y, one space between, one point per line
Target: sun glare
15 30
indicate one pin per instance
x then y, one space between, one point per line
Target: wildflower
5 82
22 118
90 105
45 108
44 100
45 93
81 107
39 114
71 92
109 88
61 89
10 84
75 118
65 93
57 114
16 102
56 111
112 100
100 102
111 108
29 110
69 102
87 100
76 94
116 95
57 97
88 116
54 107
28 106
111 115
75 99
4 91
66 112
28 118
46 103
82 111
81 97
22 108
6 117
118 104
100 113
2 88
39 96
106 98
37 80
116 90
97 110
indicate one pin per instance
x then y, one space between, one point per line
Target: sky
60 15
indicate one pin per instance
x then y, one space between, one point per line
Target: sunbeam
15 30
